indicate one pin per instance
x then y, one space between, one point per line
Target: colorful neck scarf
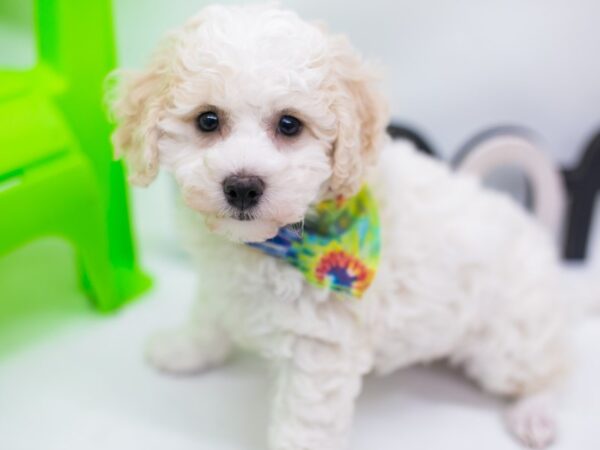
338 247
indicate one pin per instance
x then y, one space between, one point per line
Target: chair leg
90 239
89 234
62 198
78 215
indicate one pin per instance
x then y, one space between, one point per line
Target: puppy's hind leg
532 420
531 416
525 360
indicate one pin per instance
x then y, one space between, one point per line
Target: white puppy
260 115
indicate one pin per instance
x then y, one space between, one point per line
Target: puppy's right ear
137 101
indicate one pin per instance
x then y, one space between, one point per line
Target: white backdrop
453 67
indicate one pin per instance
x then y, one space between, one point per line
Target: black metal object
583 184
397 131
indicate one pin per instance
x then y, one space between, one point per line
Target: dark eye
289 126
207 122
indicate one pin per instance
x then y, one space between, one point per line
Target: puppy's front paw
182 352
532 421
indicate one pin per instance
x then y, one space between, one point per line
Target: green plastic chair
57 176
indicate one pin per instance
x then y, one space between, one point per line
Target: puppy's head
257 114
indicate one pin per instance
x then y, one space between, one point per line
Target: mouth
244 216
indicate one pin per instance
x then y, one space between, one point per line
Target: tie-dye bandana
338 247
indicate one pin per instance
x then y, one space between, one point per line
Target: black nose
243 191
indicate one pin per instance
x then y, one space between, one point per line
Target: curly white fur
465 275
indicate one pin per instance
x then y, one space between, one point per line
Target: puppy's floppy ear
137 101
362 117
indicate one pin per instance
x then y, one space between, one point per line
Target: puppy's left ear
362 118
137 101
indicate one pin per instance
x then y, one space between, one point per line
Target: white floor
81 383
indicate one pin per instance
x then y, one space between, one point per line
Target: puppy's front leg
188 349
200 344
314 396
